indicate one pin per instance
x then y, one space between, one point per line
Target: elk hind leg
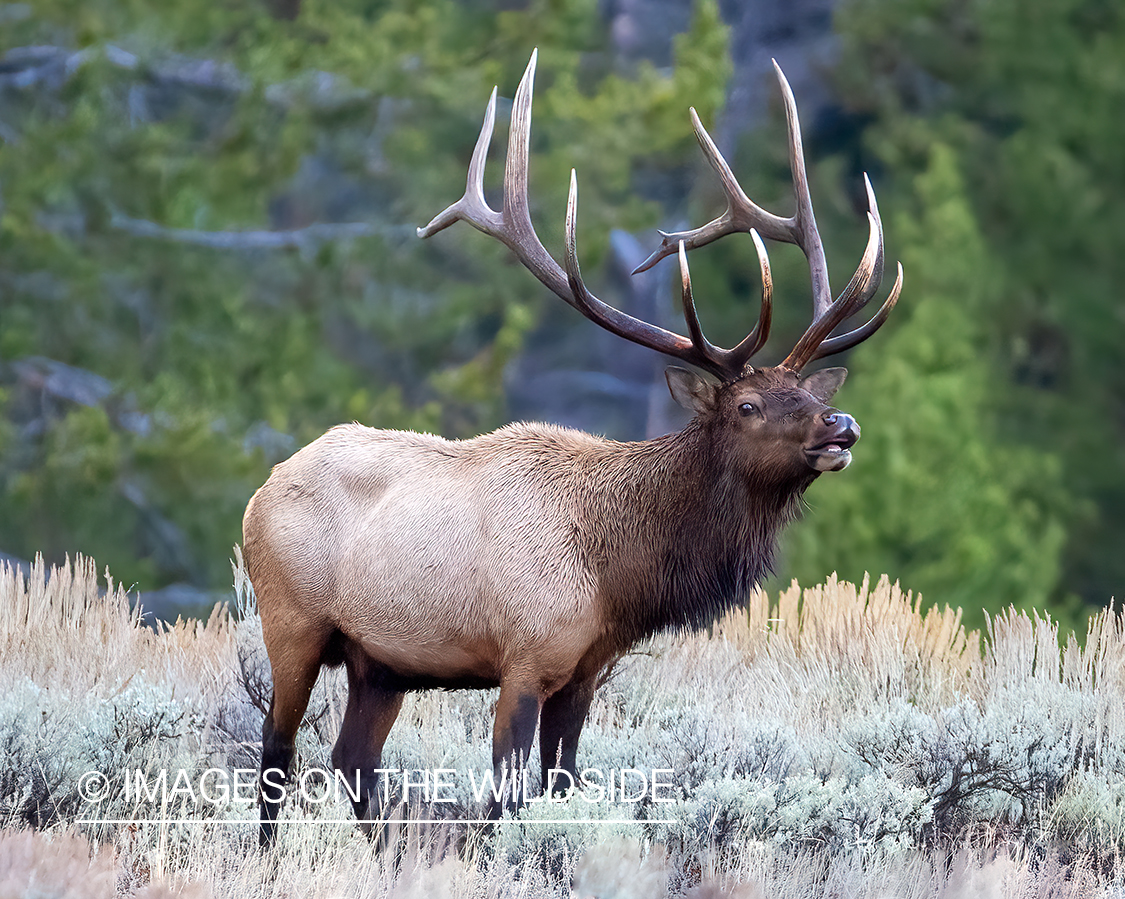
373 706
295 670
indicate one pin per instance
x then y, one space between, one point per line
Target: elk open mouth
833 454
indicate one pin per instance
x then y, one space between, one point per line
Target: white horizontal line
368 821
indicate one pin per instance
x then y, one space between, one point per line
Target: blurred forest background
208 256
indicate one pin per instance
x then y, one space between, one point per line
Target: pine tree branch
309 237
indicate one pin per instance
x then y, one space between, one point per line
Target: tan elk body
533 557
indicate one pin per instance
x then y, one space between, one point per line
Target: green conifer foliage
939 495
211 212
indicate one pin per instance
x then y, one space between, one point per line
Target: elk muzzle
832 450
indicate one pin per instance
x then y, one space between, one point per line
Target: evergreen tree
938 496
209 221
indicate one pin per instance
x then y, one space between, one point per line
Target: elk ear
823 384
690 390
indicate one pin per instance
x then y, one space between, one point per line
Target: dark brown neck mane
685 534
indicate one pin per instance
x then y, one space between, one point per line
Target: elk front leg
517 714
561 722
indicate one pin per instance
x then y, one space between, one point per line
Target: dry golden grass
60 628
806 660
59 865
879 632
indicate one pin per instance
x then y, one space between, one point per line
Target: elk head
793 427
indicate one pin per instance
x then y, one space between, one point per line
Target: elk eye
747 409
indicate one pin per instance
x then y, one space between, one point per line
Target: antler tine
860 334
688 300
757 338
741 214
862 286
517 214
869 273
696 351
805 233
735 359
586 302
732 360
513 227
472 207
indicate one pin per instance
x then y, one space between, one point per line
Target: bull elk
533 557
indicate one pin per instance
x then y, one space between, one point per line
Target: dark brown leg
560 726
370 714
517 714
294 674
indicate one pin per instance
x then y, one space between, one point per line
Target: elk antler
742 214
512 226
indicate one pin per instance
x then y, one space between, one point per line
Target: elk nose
841 421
